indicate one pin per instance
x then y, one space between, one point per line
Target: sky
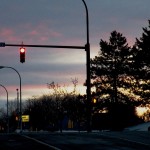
60 22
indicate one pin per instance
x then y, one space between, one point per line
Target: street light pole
7 108
1 67
88 81
87 21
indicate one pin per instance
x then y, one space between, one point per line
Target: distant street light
7 108
1 67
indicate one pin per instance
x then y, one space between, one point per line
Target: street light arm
20 96
14 70
87 20
1 67
18 75
6 93
5 89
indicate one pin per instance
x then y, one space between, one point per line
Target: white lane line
125 139
51 146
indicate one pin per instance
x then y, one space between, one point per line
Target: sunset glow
46 24
143 112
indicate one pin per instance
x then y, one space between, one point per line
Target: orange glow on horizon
29 91
143 112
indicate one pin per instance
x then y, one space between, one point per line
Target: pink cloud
41 31
30 33
7 33
35 90
34 32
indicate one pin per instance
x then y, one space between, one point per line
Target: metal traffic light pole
87 49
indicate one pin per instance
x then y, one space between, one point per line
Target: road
126 140
18 142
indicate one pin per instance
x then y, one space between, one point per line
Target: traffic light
94 100
22 54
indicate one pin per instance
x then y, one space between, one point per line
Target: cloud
57 22
8 33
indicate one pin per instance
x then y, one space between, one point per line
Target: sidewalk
140 127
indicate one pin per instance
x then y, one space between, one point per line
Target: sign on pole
25 118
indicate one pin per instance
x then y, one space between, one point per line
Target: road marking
125 139
51 146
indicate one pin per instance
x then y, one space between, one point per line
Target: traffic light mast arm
47 46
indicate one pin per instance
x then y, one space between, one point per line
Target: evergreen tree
113 74
111 68
142 65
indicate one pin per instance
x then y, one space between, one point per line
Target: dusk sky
60 22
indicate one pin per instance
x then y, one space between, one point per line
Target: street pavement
19 142
101 140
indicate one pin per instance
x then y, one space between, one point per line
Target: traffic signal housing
22 54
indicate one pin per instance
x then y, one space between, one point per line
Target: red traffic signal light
22 55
